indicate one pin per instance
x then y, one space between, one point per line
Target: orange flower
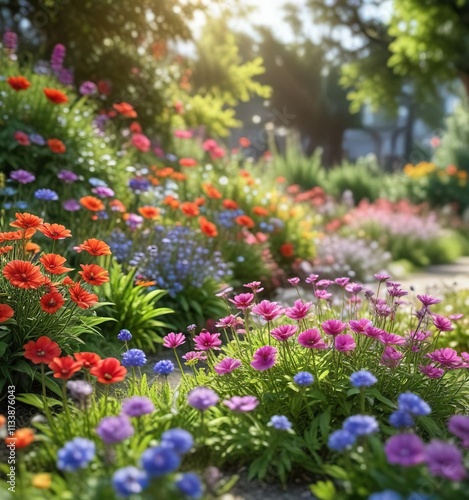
6 312
82 298
260 211
88 359
199 201
287 250
207 227
51 302
117 206
149 212
3 420
244 142
187 162
4 250
171 201
164 172
26 221
52 263
190 209
178 176
17 235
41 480
23 274
135 128
211 191
18 83
31 247
109 371
56 96
94 274
55 231
92 203
125 109
65 367
21 438
244 173
56 146
245 220
145 283
451 169
67 281
43 350
95 247
230 205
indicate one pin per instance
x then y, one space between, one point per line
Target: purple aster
103 191
241 403
322 294
37 139
67 176
391 357
202 398
227 365
382 276
134 221
22 176
459 426
137 406
114 429
342 281
340 440
71 205
431 371
445 357
441 323
10 40
88 88
360 425
405 449
324 283
444 460
344 342
45 194
428 300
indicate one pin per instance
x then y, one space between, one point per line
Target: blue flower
37 139
124 336
160 460
363 378
360 425
190 485
280 422
303 379
129 481
385 495
179 440
400 419
341 439
134 357
46 195
413 404
164 367
75 454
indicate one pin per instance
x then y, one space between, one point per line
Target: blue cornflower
95 182
140 184
21 205
360 425
160 460
124 336
363 378
180 440
190 485
164 367
280 422
401 418
341 439
303 379
75 454
45 194
129 481
385 495
413 404
134 357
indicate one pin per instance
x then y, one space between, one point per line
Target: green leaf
323 490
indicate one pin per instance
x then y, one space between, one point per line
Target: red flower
51 302
65 367
245 220
21 438
244 142
92 203
52 263
190 209
22 138
135 128
211 191
82 298
88 359
55 231
23 274
56 96
230 205
56 146
141 142
187 162
94 274
149 212
109 371
6 312
287 250
260 211
95 247
125 109
18 83
207 227
4 250
43 350
26 221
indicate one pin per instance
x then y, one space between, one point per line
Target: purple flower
431 371
173 340
444 460
71 205
160 460
324 283
65 76
206 341
133 357
10 40
139 184
264 358
103 191
137 406
405 449
242 403
294 281
180 440
360 325
446 357
164 367
228 322
67 176
340 440
363 378
57 57
311 278
360 425
413 404
134 221
114 429
283 332
22 176
428 300
202 398
193 357
303 379
88 88
124 336
382 277
333 326
299 311
242 300
311 339
46 195
459 426
37 139
391 339
391 357
280 422
441 323
342 281
344 342
322 294
268 310
129 481
227 365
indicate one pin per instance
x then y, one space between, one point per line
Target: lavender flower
405 450
57 57
363 378
137 406
444 460
79 389
280 422
114 429
10 40
71 205
459 426
67 176
22 176
45 194
88 88
202 398
241 403
129 481
37 139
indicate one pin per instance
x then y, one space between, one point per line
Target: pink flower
255 286
243 300
391 357
217 152
227 365
22 138
206 341
373 332
344 342
311 278
391 339
342 281
268 310
242 403
311 339
441 323
228 322
431 371
193 357
445 357
333 326
183 134
353 288
360 325
264 358
428 300
455 317
322 294
173 340
209 145
324 283
141 142
299 311
294 281
283 332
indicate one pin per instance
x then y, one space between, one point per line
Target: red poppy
65 367
6 312
165 172
21 438
82 298
94 274
125 109
55 231
92 203
95 247
199 201
260 211
178 176
23 274
109 371
187 162
149 212
43 350
287 250
190 209
211 191
88 359
51 302
56 146
171 201
18 83
230 205
56 96
207 227
245 220
4 250
135 128
52 263
26 221
244 142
